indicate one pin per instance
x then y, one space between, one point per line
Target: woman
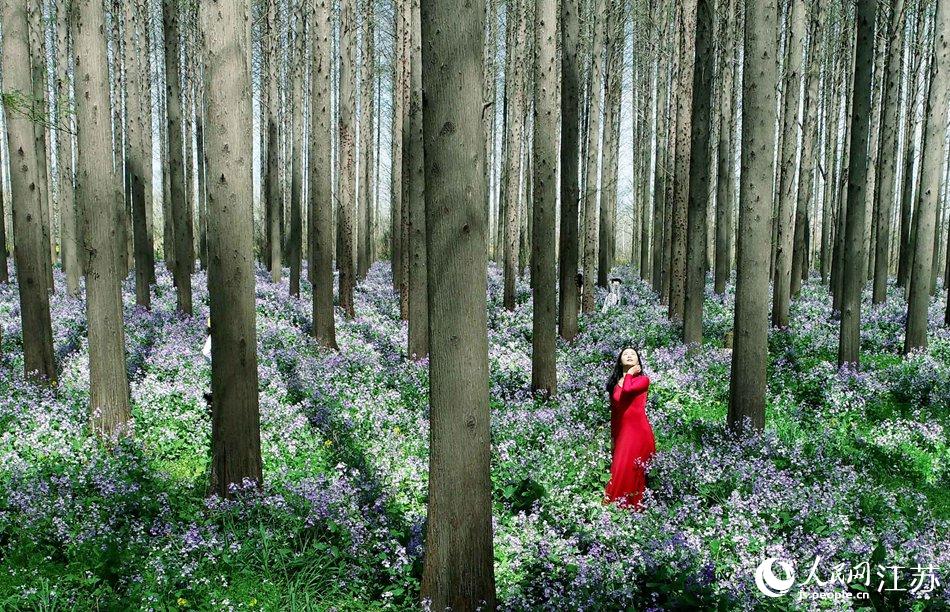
632 436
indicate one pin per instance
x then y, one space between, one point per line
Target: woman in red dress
632 437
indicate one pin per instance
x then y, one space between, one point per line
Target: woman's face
629 358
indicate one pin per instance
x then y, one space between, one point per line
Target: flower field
853 466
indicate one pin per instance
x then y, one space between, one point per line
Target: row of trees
796 87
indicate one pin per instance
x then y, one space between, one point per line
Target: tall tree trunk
544 198
98 194
686 18
514 89
849 344
30 250
321 168
808 161
616 26
418 294
699 180
725 179
183 246
405 55
595 96
37 38
347 160
272 196
459 563
569 143
750 348
64 154
366 139
915 335
235 415
135 154
295 238
395 191
787 188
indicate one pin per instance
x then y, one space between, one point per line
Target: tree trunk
686 17
699 179
418 296
184 262
750 344
366 140
595 96
570 101
320 166
347 160
135 154
849 344
30 250
808 161
544 198
787 188
915 335
725 179
235 415
616 25
514 89
459 563
64 155
37 39
98 194
395 191
295 238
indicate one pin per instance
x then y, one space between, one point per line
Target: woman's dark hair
617 373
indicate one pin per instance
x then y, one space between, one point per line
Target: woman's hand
634 370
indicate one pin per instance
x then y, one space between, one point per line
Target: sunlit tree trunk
30 250
99 196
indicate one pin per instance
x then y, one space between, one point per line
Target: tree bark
418 295
30 250
514 90
849 344
569 144
295 237
320 166
616 26
235 415
725 175
366 139
699 180
98 194
788 185
686 17
347 162
459 563
915 333
64 154
595 96
544 199
750 348
184 261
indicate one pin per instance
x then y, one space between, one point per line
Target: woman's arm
634 384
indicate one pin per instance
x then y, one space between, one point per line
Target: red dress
633 442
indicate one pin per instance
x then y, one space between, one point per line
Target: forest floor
853 467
